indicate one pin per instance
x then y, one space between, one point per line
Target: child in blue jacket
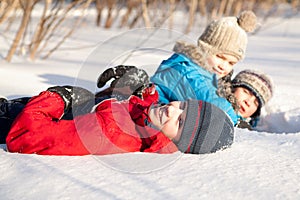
200 71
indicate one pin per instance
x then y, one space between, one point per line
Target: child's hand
127 80
150 89
150 93
113 73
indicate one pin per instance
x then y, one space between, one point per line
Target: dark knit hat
228 34
258 83
206 130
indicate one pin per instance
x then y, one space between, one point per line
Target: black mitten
136 79
64 93
125 76
80 95
114 72
73 96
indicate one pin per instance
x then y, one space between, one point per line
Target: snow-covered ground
263 164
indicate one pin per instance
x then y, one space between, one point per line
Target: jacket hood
197 54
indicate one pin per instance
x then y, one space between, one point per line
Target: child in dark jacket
133 125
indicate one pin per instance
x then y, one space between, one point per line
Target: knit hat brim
229 34
257 82
207 129
257 96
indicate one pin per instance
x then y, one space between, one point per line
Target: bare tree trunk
295 4
171 13
24 23
99 8
39 32
251 4
6 8
214 10
192 10
145 14
130 5
125 17
237 8
222 8
228 9
78 21
110 6
10 21
202 7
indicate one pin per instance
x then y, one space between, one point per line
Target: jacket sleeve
37 115
35 129
161 144
179 79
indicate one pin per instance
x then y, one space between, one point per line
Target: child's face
169 118
248 103
222 64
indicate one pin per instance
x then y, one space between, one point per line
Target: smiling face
169 118
222 64
247 102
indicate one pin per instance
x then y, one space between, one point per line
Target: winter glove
129 80
114 72
243 124
73 96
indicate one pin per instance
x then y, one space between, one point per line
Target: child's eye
256 103
246 91
182 105
181 122
220 56
232 63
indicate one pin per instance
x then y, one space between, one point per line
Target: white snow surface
261 164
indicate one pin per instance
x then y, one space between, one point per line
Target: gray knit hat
258 83
228 34
207 129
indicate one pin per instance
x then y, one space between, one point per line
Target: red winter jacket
108 130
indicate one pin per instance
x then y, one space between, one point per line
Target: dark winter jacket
181 78
9 110
114 127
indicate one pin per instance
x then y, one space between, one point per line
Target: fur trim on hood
195 53
225 90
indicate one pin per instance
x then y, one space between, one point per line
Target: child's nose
221 66
172 111
250 99
226 67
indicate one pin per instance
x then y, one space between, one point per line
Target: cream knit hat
228 34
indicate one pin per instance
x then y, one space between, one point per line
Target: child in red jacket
133 125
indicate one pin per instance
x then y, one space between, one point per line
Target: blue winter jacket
178 79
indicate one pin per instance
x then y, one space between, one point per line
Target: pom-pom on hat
207 129
228 34
258 83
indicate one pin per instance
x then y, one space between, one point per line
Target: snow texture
261 164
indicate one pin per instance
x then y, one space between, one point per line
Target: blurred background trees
60 18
